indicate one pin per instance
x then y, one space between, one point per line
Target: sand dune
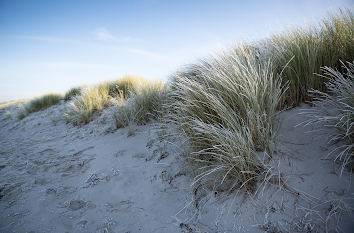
55 177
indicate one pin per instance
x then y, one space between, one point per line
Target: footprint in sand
76 204
51 191
40 181
139 155
80 152
119 153
73 166
32 170
119 206
80 204
48 151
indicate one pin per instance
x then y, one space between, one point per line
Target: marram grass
225 106
91 100
144 104
94 99
72 92
148 101
335 110
38 104
137 100
299 54
125 85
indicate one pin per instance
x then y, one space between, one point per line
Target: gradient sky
50 46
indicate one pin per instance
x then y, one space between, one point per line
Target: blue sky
50 46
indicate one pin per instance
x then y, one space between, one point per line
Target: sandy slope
58 178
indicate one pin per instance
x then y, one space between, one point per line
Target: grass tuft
38 104
299 54
71 93
225 107
148 101
124 86
137 99
335 109
145 104
82 108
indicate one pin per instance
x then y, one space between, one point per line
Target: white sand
58 178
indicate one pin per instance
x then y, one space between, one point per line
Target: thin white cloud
103 34
146 53
128 39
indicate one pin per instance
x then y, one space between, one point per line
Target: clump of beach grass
38 104
144 104
125 85
72 92
93 99
335 109
124 116
136 98
148 101
225 106
299 54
